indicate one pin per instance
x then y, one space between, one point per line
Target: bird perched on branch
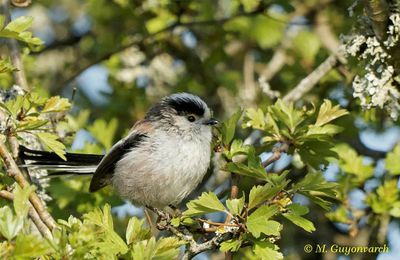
160 162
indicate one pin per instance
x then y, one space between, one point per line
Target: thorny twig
276 154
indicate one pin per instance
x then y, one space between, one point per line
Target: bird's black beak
211 121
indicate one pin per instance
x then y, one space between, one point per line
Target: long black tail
76 163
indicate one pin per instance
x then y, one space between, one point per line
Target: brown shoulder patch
142 127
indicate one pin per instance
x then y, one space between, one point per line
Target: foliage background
113 59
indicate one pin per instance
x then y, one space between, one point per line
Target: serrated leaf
300 221
6 66
167 248
327 113
20 24
294 215
103 220
351 163
10 225
228 127
30 124
50 140
316 152
260 194
136 232
242 169
104 132
258 222
317 189
266 251
287 115
30 247
16 30
321 131
235 206
237 147
56 104
231 245
21 200
208 202
13 107
392 163
255 119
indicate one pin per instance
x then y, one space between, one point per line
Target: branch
313 78
19 75
378 13
141 41
14 172
276 153
43 229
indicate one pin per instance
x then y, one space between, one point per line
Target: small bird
159 163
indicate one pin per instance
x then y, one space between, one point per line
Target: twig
313 78
153 35
14 172
276 154
210 244
43 229
19 75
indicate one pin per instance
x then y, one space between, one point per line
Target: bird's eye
191 118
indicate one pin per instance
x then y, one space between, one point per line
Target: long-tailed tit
160 162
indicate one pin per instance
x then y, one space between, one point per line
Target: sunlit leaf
50 140
208 202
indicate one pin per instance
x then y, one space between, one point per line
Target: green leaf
307 44
294 215
56 104
392 161
50 140
287 115
16 30
327 113
235 206
253 168
21 200
266 250
237 147
385 198
260 194
258 222
13 106
167 248
231 245
317 189
350 162
255 119
316 152
321 131
208 202
30 247
144 250
103 220
228 127
6 66
20 24
30 123
10 225
135 231
103 132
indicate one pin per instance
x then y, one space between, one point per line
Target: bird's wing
106 167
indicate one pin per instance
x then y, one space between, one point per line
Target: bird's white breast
164 169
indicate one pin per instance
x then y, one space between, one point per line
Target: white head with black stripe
182 112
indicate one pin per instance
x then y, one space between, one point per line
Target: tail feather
80 164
